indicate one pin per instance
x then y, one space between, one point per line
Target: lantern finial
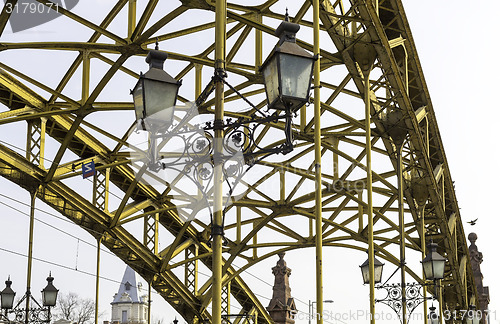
286 30
156 58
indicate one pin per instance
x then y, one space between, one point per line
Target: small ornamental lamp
49 293
7 295
288 71
432 318
472 316
155 95
433 264
365 271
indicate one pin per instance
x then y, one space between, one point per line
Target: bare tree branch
75 309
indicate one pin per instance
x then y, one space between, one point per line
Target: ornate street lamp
155 95
32 315
472 316
433 264
7 296
288 71
432 318
49 293
287 78
365 271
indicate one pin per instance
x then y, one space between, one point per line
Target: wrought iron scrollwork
36 315
394 300
194 147
188 148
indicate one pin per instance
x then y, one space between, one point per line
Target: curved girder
262 218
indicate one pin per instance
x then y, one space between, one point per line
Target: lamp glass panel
138 100
428 270
365 272
7 300
295 75
270 73
438 266
378 273
159 100
49 297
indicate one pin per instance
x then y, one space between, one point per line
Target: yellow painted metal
258 44
402 231
255 254
191 269
43 128
106 190
226 300
151 226
85 77
317 166
238 224
369 194
259 212
282 186
132 12
30 254
97 277
197 81
35 141
421 212
360 213
220 57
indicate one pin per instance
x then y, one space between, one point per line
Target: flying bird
473 222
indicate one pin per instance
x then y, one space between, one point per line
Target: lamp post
311 308
32 314
287 75
433 266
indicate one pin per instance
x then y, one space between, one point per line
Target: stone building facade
128 305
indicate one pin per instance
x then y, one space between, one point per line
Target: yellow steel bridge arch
79 110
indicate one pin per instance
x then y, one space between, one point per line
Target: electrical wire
95 246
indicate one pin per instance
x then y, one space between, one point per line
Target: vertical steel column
258 44
217 225
43 124
85 76
317 158
30 254
421 210
100 189
402 242
226 301
35 142
369 189
238 224
132 9
191 269
98 274
149 302
150 239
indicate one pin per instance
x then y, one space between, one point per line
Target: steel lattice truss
275 202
